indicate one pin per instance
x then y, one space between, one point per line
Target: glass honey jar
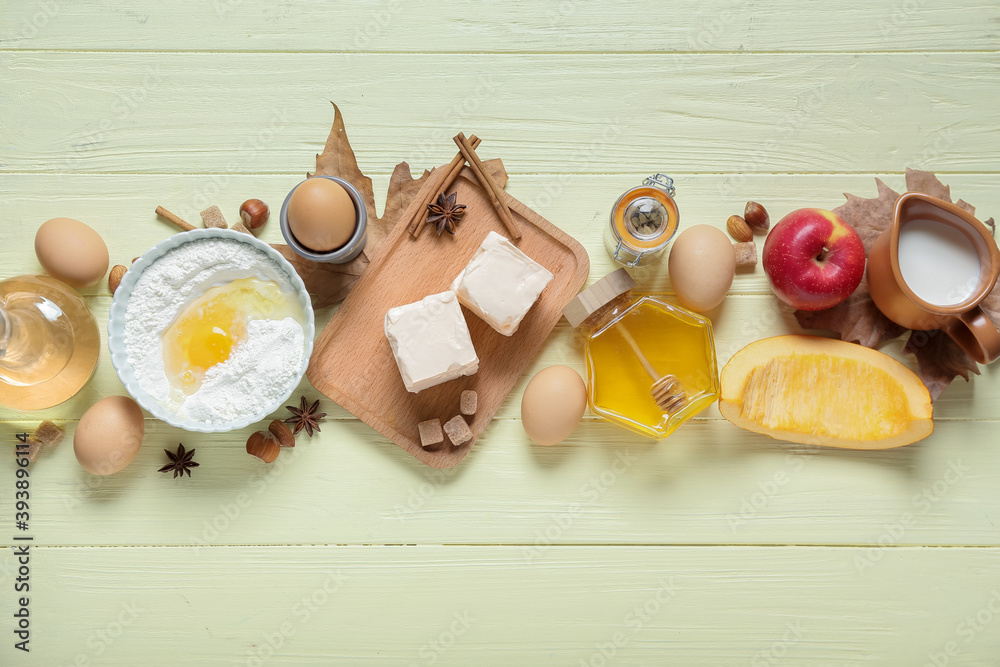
650 364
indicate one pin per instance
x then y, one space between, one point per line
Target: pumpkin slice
822 391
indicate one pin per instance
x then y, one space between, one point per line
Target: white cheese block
500 283
430 341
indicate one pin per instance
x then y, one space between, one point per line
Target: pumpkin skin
821 391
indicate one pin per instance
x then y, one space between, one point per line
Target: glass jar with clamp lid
643 222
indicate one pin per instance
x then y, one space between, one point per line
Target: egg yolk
210 344
208 329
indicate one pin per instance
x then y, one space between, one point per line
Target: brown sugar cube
212 217
458 431
46 435
430 433
240 227
746 254
470 402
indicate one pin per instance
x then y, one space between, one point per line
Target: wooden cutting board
353 364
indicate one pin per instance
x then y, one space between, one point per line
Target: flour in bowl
179 342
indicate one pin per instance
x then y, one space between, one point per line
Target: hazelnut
115 277
254 213
282 433
263 445
739 229
757 217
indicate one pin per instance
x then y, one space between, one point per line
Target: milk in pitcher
938 262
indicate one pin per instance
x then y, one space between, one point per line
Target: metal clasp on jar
663 182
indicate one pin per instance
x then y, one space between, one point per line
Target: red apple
813 259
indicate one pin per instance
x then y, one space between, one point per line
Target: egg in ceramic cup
324 219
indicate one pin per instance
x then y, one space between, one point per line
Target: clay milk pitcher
932 269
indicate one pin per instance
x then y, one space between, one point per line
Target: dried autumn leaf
337 159
939 359
327 283
928 183
856 320
870 217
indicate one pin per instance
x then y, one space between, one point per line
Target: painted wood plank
455 25
329 605
718 113
709 483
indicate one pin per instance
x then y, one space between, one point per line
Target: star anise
180 462
305 417
445 213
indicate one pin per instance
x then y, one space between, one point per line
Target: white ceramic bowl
116 328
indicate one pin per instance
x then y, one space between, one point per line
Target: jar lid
598 295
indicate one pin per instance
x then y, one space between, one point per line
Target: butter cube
430 341
500 283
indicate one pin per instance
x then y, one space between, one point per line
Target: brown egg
109 434
702 265
553 404
71 251
321 214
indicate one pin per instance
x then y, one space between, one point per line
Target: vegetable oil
49 342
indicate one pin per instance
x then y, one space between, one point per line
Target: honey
650 364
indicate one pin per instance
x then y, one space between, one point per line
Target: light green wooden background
714 547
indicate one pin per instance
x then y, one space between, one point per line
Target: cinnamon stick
493 190
450 172
183 224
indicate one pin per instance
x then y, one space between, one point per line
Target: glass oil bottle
650 364
49 342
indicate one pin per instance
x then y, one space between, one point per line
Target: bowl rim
116 327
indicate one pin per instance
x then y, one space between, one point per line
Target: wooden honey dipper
667 391
594 302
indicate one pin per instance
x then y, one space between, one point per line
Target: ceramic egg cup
116 329
344 253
